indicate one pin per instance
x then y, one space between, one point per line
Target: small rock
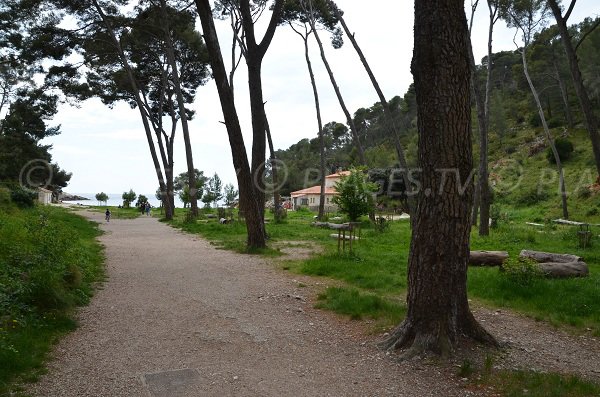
235 378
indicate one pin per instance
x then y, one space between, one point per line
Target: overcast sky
106 149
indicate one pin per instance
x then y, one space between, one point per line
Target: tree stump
487 258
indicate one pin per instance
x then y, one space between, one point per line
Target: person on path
107 215
148 206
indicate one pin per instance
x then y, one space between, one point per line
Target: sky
106 149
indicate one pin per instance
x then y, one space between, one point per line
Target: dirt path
178 317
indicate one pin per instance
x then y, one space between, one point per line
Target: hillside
524 181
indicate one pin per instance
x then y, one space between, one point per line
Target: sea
116 200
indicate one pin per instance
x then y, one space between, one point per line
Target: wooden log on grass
545 257
565 269
487 258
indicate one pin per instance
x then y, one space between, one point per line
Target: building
311 196
44 196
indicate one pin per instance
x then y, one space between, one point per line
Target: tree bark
438 313
386 110
248 201
584 99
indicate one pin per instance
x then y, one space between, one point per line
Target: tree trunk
255 53
349 120
475 210
565 269
248 201
319 123
540 256
438 313
182 113
274 171
386 110
487 258
584 99
536 97
136 93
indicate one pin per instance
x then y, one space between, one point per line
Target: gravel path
178 317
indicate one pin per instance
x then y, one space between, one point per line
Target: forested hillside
521 172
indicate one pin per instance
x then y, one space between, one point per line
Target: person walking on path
148 207
107 215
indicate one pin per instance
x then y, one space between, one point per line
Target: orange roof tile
313 190
339 174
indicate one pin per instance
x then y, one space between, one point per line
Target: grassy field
49 260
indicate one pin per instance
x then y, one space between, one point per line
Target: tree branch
594 26
570 10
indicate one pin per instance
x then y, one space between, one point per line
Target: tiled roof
339 174
313 190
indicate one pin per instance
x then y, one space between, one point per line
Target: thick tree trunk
438 310
248 202
386 110
336 88
536 97
584 100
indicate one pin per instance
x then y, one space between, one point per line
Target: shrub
531 197
583 192
564 147
4 196
522 271
24 198
355 195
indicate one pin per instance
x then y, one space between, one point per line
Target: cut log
565 269
487 258
541 257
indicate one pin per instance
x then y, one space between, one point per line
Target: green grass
120 213
534 384
358 305
49 260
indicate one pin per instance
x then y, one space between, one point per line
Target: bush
24 198
531 197
4 196
564 147
522 271
583 192
355 195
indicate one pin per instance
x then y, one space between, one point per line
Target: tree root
416 342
